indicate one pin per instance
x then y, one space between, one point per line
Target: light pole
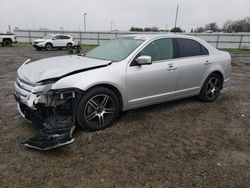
84 13
176 16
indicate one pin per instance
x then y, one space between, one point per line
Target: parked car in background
7 39
51 41
125 73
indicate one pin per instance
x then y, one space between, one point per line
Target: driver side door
154 83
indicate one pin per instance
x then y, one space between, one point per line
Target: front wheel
7 43
97 109
211 88
48 46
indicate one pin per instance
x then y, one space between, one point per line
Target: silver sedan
125 73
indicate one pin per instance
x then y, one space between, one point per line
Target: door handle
171 67
207 63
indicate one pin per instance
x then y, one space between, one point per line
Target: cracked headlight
41 88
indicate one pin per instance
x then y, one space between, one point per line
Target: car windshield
115 50
48 36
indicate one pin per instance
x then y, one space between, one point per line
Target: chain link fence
219 40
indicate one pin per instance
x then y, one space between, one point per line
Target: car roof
54 34
154 36
149 37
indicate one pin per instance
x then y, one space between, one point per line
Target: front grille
36 42
23 89
27 86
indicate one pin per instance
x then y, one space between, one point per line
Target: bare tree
176 30
199 30
154 29
228 26
212 26
237 26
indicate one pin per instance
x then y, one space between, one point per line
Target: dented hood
57 67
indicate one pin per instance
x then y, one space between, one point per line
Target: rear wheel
211 88
48 46
7 43
97 109
69 45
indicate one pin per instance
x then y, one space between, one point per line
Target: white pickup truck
7 39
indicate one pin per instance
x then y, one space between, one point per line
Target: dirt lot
177 144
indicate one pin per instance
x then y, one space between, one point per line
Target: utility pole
84 13
9 29
176 16
111 26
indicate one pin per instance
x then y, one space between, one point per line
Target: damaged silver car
128 72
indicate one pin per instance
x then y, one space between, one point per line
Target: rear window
188 48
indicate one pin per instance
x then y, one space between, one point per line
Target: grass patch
236 51
22 44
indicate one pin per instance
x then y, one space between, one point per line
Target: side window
160 49
204 51
64 37
188 47
56 37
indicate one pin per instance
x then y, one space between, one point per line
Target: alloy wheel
212 88
48 47
99 110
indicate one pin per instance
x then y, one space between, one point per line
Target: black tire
7 43
97 109
211 88
69 45
48 46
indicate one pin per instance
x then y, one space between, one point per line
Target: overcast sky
68 14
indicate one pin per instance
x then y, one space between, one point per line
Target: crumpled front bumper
47 107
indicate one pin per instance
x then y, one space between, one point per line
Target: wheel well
8 39
114 89
219 74
49 43
69 43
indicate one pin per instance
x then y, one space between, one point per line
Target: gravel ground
184 143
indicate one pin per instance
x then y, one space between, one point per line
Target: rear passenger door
64 40
193 61
56 40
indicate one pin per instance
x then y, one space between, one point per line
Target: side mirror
144 60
